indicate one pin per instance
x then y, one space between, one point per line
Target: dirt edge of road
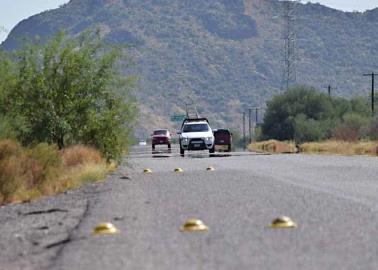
32 235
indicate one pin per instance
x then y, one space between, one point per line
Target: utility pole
250 125
256 120
329 89
372 90
244 139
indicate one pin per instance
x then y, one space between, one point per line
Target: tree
279 121
304 114
10 126
306 130
70 90
351 127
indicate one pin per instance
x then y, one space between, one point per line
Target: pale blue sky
13 11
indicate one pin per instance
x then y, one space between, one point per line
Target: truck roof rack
191 111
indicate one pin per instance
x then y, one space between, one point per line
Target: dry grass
337 147
273 146
27 174
79 155
341 148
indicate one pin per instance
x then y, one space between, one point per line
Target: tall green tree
10 125
70 91
304 114
280 118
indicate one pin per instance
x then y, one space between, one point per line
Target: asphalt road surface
333 199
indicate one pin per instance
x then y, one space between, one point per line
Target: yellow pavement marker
194 225
210 168
147 171
105 228
283 222
178 170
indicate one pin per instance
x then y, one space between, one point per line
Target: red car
161 136
223 138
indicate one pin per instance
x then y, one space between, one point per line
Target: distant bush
351 128
304 114
345 133
372 130
307 129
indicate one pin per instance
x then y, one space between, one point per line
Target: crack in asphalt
33 235
61 244
41 212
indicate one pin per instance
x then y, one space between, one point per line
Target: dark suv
223 137
161 136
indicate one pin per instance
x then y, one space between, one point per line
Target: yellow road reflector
210 168
105 228
147 171
178 170
194 225
283 222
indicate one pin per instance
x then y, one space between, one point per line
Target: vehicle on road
223 139
161 137
196 134
142 142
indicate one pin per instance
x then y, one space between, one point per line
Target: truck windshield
160 132
196 128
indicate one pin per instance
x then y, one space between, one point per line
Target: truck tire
182 151
212 150
229 148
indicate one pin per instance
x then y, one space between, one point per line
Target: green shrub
351 128
279 121
307 129
68 91
304 114
373 129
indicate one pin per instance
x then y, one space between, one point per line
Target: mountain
225 55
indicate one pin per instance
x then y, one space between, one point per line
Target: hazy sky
13 11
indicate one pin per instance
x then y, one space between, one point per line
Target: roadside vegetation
303 114
346 148
341 148
318 123
273 146
28 173
66 115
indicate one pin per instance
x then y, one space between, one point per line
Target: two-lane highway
332 198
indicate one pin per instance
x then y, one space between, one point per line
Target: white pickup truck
196 134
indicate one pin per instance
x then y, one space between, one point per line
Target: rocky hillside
226 55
